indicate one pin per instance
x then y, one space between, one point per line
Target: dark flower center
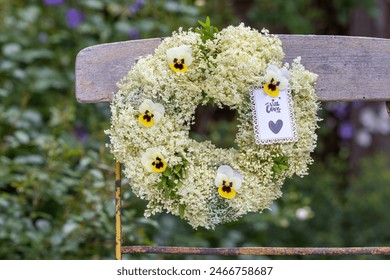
158 163
148 116
273 85
227 186
178 63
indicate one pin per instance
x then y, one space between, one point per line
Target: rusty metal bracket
118 224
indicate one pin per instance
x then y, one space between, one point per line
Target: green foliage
367 217
206 31
182 209
280 164
295 16
171 179
306 16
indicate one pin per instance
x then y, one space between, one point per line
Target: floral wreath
154 108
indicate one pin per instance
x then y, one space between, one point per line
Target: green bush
307 16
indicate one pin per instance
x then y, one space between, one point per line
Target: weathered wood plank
100 67
349 68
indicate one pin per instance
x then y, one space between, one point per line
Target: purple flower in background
357 104
346 130
74 18
81 133
133 33
137 5
53 2
341 110
42 37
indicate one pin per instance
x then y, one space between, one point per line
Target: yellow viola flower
179 58
276 80
153 161
228 181
150 113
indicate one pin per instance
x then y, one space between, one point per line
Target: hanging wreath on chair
237 67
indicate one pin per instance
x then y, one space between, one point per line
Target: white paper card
273 118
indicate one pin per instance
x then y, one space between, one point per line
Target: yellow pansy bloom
179 58
150 113
275 80
153 161
228 181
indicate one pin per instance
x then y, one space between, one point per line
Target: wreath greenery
154 108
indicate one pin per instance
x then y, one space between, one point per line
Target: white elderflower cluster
154 108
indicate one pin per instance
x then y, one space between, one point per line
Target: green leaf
205 24
182 209
166 193
22 137
167 172
276 169
97 174
29 160
177 168
11 49
280 164
160 185
171 183
207 31
30 14
93 4
164 180
179 175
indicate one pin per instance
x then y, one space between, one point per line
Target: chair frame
99 67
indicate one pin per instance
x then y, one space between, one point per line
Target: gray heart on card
275 127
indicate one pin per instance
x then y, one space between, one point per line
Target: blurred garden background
56 175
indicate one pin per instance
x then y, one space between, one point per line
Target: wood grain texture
349 68
99 68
